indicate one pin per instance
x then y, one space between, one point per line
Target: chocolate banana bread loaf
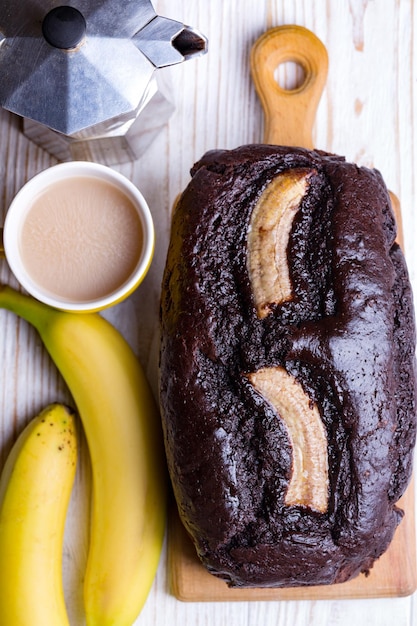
287 366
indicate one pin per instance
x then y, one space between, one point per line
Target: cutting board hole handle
290 75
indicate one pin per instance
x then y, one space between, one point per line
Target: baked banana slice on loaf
288 385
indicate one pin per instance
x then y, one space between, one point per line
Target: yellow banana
122 428
35 489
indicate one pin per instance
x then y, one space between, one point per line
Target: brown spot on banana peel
268 236
309 483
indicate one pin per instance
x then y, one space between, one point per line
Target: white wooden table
368 113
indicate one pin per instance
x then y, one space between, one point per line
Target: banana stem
33 311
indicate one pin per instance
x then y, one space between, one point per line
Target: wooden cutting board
289 119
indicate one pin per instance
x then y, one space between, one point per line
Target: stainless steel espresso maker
83 75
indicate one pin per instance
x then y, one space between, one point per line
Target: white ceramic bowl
21 207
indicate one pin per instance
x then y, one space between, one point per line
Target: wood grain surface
367 113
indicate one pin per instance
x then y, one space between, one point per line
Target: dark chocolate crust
348 337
